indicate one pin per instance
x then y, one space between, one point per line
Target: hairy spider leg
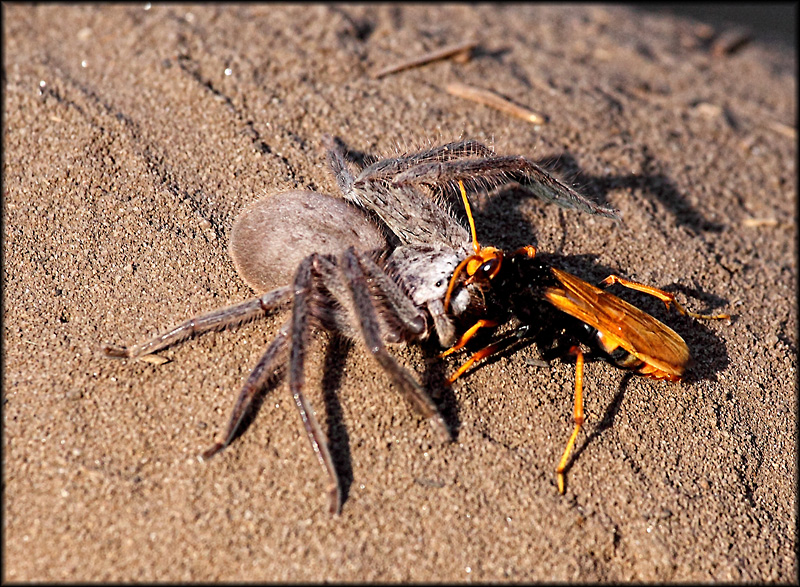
500 168
662 295
216 320
348 284
577 417
301 312
256 381
338 164
497 166
368 322
411 318
389 169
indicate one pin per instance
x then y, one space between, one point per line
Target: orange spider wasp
521 286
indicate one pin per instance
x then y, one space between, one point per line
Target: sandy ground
134 135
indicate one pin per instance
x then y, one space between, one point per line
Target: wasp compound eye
489 269
491 266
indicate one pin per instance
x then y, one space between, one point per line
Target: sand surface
134 135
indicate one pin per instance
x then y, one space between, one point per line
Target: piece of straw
495 101
436 55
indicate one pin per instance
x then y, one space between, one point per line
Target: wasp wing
620 323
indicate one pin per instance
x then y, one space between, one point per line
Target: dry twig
489 98
443 53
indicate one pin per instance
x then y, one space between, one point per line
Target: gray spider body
273 235
374 266
311 222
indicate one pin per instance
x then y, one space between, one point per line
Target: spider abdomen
273 235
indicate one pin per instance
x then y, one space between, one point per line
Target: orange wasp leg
578 417
662 295
528 250
481 354
467 336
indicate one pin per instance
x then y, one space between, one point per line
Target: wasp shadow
605 423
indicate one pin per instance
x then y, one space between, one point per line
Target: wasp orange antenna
464 199
475 245
474 261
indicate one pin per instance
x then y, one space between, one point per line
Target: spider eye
438 283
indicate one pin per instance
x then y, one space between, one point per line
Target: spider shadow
653 183
338 438
434 381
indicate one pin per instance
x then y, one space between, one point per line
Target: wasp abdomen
624 359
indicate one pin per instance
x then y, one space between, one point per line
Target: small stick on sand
730 42
443 53
757 222
153 359
496 101
784 129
